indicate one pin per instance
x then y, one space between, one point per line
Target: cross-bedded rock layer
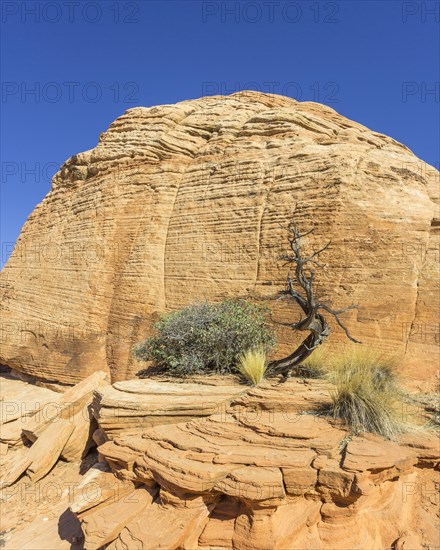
253 468
265 473
186 202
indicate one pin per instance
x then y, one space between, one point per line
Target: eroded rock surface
265 473
19 402
132 405
50 426
184 202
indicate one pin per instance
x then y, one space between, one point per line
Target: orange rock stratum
209 465
185 202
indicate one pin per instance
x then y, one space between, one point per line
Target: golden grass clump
315 366
253 365
367 394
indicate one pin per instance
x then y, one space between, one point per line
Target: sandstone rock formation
132 405
35 515
264 474
262 470
184 202
58 428
19 402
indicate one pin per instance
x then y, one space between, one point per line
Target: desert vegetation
366 392
315 365
365 388
253 365
207 337
427 406
234 336
301 291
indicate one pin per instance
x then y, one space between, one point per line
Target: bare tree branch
313 321
336 316
305 260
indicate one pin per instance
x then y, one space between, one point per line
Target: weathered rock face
56 425
133 405
266 474
184 202
265 471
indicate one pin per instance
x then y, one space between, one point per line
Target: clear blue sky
87 62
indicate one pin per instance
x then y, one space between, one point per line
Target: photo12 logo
51 492
70 12
70 92
28 172
321 92
424 12
270 11
421 91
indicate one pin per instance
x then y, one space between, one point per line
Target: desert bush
207 337
253 365
367 392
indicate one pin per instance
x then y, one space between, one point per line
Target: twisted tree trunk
313 322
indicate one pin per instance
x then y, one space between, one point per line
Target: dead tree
313 322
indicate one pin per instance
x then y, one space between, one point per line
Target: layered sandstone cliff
255 468
267 472
184 202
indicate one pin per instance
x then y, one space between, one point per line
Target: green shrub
207 337
253 365
367 393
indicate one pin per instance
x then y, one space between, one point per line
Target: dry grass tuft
426 408
253 365
367 394
315 366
